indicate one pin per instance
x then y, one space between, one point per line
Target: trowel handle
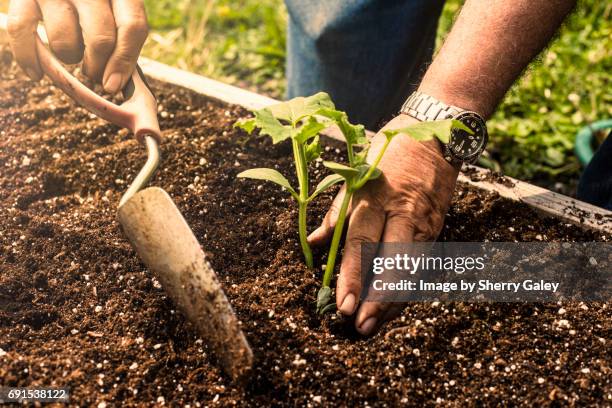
137 113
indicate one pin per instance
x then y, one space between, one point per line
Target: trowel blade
167 246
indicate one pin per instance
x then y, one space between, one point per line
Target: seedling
297 119
301 120
359 172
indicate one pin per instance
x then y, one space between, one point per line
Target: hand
407 203
106 34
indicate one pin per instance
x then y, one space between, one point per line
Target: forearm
489 46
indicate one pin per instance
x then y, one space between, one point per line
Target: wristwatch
462 147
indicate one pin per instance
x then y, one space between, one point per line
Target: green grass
240 42
565 89
532 133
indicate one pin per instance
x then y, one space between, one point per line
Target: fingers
372 315
99 35
365 225
323 234
23 18
110 43
132 30
62 27
398 228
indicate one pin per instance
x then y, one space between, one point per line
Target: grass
532 133
565 89
240 42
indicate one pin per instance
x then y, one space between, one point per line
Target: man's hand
407 203
106 34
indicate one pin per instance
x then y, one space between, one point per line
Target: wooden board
548 202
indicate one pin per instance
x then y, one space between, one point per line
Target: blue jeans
595 185
369 55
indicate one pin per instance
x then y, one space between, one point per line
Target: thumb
132 31
323 234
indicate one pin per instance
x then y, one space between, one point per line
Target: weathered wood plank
567 208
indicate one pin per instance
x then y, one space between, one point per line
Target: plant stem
333 249
360 183
302 173
351 156
304 235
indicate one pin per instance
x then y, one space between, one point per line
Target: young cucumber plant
300 121
358 172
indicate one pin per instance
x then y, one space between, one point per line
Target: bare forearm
489 46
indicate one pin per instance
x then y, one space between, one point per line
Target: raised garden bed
78 309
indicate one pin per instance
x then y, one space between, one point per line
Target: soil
78 309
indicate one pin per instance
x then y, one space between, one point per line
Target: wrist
434 146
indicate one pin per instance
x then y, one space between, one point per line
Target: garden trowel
154 225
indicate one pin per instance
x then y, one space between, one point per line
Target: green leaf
268 175
423 131
270 126
360 158
346 172
554 157
326 183
323 298
268 119
353 134
267 124
307 131
363 169
313 150
298 108
246 124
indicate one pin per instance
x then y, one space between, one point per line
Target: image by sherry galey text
483 285
489 271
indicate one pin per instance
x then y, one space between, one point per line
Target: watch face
464 146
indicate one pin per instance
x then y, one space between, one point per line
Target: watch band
427 108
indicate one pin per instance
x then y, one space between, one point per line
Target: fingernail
113 83
367 326
32 74
314 235
348 305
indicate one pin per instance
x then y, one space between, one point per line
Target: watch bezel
474 156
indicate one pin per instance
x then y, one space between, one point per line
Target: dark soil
78 309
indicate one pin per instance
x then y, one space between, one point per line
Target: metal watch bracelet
426 108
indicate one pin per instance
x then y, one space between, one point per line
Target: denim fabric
595 185
369 55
